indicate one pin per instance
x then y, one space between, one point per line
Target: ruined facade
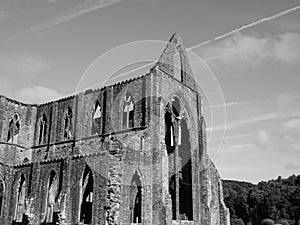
129 153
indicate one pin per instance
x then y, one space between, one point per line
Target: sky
249 79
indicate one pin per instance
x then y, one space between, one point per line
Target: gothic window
136 199
86 197
177 66
13 129
96 122
52 195
185 174
172 114
177 129
127 111
20 199
43 129
169 137
68 124
1 194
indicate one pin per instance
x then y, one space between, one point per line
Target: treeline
277 200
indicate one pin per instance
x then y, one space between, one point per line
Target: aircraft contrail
270 18
82 9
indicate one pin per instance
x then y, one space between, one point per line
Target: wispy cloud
230 104
286 106
22 64
4 14
37 94
245 121
233 137
286 139
253 49
235 148
82 9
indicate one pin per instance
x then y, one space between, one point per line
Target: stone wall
117 157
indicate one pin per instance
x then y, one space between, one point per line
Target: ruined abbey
130 153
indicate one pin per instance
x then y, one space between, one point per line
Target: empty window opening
86 197
68 124
96 122
185 176
1 194
43 129
20 200
177 66
128 111
176 106
52 196
169 129
136 199
13 129
172 191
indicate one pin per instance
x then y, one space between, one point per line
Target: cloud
22 64
290 135
287 139
267 140
4 15
286 106
234 148
287 48
229 104
37 94
252 49
82 9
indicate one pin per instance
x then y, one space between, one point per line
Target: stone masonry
130 153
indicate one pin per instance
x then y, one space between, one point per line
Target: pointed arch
68 126
180 185
43 129
14 129
172 114
20 199
86 196
136 198
96 120
128 107
51 196
178 72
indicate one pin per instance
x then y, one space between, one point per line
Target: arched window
68 124
172 114
176 123
185 171
14 129
136 199
86 197
43 129
127 111
178 67
51 198
96 122
20 199
1 194
169 137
